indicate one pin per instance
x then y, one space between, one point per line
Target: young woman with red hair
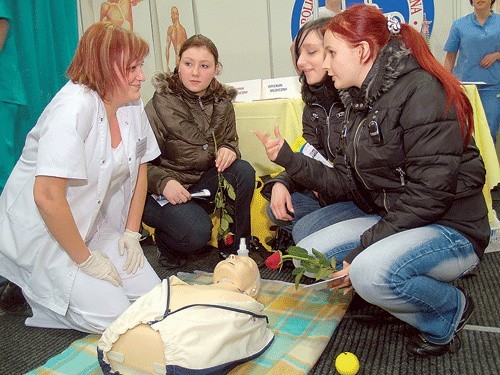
410 163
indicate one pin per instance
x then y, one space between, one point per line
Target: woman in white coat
71 209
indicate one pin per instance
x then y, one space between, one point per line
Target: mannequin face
241 271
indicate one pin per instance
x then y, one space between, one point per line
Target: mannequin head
239 271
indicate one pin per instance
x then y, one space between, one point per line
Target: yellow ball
347 364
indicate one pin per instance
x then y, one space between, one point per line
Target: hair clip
393 25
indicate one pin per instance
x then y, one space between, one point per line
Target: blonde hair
104 55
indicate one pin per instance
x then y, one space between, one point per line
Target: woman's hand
273 146
489 59
344 283
281 202
99 266
176 193
225 157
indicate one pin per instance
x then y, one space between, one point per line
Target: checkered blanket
303 322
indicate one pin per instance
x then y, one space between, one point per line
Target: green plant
225 211
316 263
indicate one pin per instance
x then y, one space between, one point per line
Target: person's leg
324 217
337 240
303 204
491 104
94 304
241 176
134 285
179 229
407 274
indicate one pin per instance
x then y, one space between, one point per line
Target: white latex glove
99 266
135 256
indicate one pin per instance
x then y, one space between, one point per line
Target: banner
417 13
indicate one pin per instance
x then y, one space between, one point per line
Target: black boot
418 345
12 300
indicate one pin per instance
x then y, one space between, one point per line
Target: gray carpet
375 338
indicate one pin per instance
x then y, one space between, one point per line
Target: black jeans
186 228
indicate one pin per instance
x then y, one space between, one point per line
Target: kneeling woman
190 109
409 161
71 209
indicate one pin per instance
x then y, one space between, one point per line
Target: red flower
229 239
274 261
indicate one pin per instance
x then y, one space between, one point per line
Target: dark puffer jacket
321 127
404 157
183 124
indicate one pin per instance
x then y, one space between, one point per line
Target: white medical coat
71 139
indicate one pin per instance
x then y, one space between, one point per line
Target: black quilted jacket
403 156
321 127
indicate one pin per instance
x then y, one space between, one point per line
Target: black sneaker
420 346
12 300
170 262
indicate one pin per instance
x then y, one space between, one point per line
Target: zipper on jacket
200 102
386 206
401 176
327 113
355 140
343 134
328 117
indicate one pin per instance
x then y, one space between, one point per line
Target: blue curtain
47 38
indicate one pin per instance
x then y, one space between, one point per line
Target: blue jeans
309 216
407 273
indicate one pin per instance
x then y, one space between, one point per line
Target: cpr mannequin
203 328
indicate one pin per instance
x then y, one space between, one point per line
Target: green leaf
297 251
224 224
227 217
297 280
323 274
323 260
229 209
230 192
333 263
298 270
311 269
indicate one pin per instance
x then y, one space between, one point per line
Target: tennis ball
347 363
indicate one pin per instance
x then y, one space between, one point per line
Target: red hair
103 48
366 23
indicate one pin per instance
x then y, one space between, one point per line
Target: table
263 115
484 142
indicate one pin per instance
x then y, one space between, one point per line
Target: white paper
323 284
162 200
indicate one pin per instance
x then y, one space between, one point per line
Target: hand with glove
99 266
135 256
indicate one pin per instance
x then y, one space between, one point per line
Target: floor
376 339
